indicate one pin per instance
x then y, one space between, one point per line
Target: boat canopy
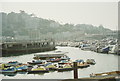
79 60
48 64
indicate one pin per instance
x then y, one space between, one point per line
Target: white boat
112 49
90 61
85 47
55 54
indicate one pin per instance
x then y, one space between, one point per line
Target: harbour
60 41
111 64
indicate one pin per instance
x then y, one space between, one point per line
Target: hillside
30 27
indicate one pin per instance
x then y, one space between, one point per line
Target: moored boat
79 60
90 61
13 63
44 56
105 49
8 70
82 64
21 68
51 66
54 60
65 67
108 73
65 58
35 62
85 47
65 62
2 66
38 70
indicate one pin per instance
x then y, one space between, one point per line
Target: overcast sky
95 13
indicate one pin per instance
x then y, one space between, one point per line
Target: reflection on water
9 74
104 63
37 73
21 72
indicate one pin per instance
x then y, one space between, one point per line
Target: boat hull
34 63
7 72
52 69
83 66
65 69
92 63
64 63
22 70
54 61
38 71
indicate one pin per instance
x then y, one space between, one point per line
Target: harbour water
104 63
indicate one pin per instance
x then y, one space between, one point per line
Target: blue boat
21 68
79 60
13 63
64 62
8 70
49 63
105 50
81 63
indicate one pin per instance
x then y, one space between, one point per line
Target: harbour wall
18 48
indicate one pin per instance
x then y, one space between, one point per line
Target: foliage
23 24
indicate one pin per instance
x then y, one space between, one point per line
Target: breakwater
18 48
